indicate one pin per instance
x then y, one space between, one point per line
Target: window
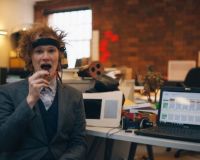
78 26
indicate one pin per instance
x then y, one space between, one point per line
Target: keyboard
192 135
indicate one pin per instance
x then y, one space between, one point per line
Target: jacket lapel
36 125
61 109
61 106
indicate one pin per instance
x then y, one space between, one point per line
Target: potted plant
152 83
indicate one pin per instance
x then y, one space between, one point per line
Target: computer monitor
127 87
82 62
103 109
3 75
178 69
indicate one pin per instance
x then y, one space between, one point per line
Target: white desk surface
131 137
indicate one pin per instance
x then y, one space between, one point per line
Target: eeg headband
46 41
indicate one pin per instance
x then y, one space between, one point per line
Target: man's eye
39 51
52 50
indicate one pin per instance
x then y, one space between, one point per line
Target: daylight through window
78 26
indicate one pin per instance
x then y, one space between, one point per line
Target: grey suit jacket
22 133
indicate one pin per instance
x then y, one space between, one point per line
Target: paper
138 106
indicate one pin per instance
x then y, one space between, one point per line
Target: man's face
45 57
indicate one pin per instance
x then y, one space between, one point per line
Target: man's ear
63 58
29 65
59 62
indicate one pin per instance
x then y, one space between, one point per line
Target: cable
108 134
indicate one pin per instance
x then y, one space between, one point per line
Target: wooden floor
160 153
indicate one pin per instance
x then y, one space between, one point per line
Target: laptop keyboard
192 135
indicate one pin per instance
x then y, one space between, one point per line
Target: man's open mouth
46 67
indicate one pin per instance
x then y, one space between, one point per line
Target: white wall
14 15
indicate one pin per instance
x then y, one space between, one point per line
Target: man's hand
37 81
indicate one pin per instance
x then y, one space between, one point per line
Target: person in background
41 119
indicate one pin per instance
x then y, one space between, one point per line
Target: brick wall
150 32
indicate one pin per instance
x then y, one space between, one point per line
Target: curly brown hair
29 36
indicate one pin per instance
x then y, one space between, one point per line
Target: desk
117 134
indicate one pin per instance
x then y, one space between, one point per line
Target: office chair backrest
192 78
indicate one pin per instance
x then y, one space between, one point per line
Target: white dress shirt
47 94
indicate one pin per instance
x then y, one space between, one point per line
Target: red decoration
108 37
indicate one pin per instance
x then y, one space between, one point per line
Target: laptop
178 115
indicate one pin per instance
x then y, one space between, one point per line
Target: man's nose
46 56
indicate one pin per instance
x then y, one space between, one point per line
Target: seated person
40 119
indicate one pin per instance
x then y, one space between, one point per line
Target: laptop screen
180 106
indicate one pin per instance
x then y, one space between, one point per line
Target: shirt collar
53 85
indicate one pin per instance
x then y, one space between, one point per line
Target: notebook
178 115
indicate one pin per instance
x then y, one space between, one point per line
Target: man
40 119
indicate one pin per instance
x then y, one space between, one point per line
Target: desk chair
192 79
